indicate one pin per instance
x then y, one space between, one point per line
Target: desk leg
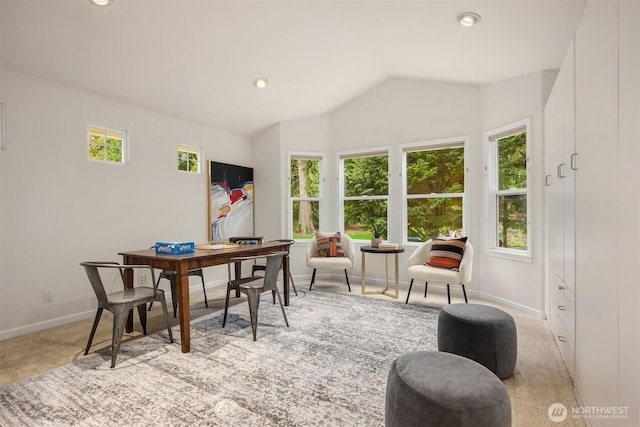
285 279
182 280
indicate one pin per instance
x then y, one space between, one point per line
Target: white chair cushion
338 263
426 273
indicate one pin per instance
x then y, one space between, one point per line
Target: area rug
328 368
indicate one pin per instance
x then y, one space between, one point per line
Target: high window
188 158
434 189
507 168
305 190
106 144
364 178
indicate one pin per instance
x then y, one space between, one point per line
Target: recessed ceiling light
101 2
468 19
260 82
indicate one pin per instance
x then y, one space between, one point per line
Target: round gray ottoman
428 388
481 333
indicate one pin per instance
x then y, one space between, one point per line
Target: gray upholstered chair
418 270
254 286
331 263
121 302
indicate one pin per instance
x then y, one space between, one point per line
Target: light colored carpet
539 380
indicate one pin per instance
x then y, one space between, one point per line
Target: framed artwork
230 201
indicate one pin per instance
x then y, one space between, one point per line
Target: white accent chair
331 263
418 270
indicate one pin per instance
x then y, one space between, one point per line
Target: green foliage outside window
305 187
188 159
512 175
366 177
105 145
435 183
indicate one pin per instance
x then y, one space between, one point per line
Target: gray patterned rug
329 368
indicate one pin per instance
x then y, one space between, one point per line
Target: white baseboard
59 321
195 288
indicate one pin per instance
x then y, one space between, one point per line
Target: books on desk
213 246
388 246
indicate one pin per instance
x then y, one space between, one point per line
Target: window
508 188
364 193
106 144
188 158
305 190
434 187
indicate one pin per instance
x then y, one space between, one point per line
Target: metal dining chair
262 267
119 303
254 286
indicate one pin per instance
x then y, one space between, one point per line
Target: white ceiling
197 59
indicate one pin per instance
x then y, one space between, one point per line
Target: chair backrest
421 255
347 244
91 268
272 270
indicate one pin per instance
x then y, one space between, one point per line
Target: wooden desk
181 264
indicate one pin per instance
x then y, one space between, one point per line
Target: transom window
106 144
508 187
365 193
305 189
434 189
188 158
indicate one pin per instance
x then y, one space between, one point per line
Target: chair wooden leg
409 293
448 294
93 329
313 278
347 277
465 293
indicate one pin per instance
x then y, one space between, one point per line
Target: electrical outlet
48 296
143 278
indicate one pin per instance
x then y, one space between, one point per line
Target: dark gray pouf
481 333
428 388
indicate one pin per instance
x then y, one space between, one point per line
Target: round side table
386 252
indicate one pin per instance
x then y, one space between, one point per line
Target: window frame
105 128
492 137
305 155
452 142
367 152
198 150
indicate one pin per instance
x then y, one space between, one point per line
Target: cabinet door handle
573 162
562 339
560 287
546 181
559 171
562 308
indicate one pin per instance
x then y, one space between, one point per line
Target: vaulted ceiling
197 60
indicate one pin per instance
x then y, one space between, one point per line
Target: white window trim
200 156
365 152
491 138
308 155
125 143
426 145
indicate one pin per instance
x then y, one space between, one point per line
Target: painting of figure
230 201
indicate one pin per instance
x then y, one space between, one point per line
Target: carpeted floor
331 362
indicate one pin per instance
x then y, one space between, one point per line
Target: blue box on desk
175 248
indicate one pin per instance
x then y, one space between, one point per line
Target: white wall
59 209
521 282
